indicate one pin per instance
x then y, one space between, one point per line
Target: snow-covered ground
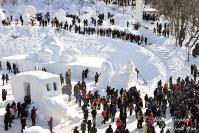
158 61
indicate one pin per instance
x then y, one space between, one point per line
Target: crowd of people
182 96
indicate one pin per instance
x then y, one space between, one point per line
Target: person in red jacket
104 114
131 108
4 94
118 123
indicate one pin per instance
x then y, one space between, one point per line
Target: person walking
50 124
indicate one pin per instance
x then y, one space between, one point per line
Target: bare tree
183 16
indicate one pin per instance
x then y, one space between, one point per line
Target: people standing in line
50 124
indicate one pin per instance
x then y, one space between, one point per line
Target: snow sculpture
2 16
139 11
130 69
61 15
31 10
65 58
26 18
36 129
74 52
54 45
106 74
45 55
126 75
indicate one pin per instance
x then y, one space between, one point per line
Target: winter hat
109 126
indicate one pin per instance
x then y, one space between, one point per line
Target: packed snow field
24 45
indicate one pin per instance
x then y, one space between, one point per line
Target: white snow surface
90 51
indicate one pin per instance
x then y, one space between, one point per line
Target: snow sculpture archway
106 74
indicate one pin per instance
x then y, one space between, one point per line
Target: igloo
106 74
45 55
54 45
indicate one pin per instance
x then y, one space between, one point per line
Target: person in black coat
19 109
94 113
6 120
96 77
109 129
23 123
75 130
86 114
89 126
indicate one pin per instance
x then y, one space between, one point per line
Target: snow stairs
166 53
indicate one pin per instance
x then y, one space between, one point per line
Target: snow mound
36 129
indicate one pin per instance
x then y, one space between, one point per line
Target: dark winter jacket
93 130
109 130
83 126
